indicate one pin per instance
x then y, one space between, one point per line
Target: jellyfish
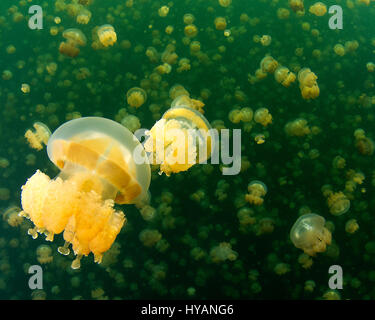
263 117
268 64
107 35
185 100
136 97
257 190
83 16
101 163
319 9
74 39
284 76
44 254
180 139
338 203
39 137
220 23
309 234
265 40
308 85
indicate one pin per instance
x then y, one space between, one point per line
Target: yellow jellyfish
308 85
101 163
268 64
265 40
338 203
44 254
318 8
185 100
257 190
74 39
225 3
309 234
284 76
263 117
220 23
297 6
136 97
180 139
41 135
107 35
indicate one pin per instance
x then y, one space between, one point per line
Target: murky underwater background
204 240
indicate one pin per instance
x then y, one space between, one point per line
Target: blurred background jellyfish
180 139
39 137
136 97
309 234
99 167
74 39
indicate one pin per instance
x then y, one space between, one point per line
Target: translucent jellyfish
74 39
179 140
308 85
257 190
185 100
131 122
223 252
284 76
268 64
11 215
25 88
319 9
263 117
163 11
136 97
297 6
220 23
309 234
351 226
338 203
266 40
101 163
225 3
107 35
190 30
83 16
44 254
39 137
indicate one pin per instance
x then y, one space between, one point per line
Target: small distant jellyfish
131 122
257 190
11 215
74 39
263 117
338 203
308 85
268 64
83 16
223 252
284 76
39 137
107 35
220 23
163 11
136 97
265 40
25 88
44 254
149 237
309 234
351 226
225 3
319 9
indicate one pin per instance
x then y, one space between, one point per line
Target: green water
294 168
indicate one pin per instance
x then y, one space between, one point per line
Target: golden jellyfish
180 139
257 190
338 203
297 128
101 163
83 16
307 83
188 18
25 88
225 3
263 117
107 35
351 226
319 9
136 97
339 49
44 254
297 6
39 137
265 40
309 234
370 66
163 11
220 23
74 39
223 252
190 30
185 100
131 122
364 144
11 216
268 64
284 76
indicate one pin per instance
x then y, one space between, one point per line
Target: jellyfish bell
75 37
107 35
179 140
309 234
99 168
104 148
